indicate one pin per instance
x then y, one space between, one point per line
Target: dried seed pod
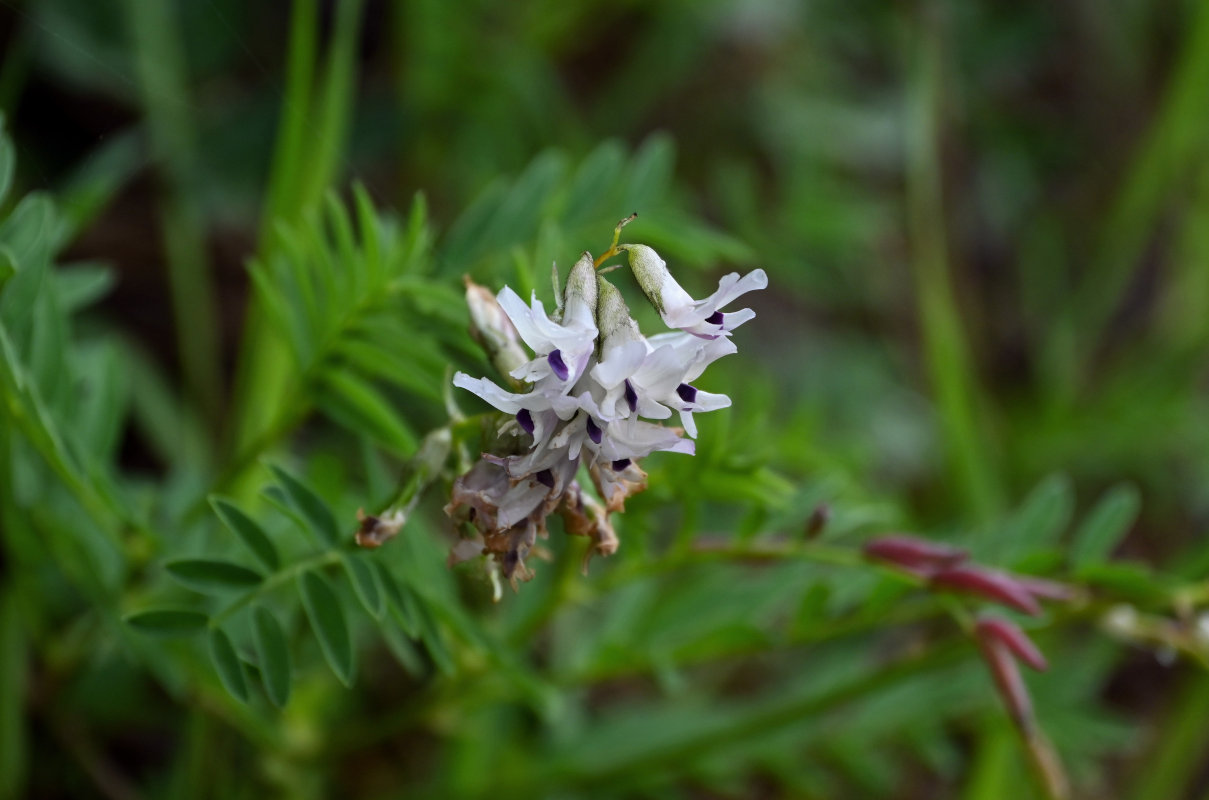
1009 683
995 586
915 554
1012 637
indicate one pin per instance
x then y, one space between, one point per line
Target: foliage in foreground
740 638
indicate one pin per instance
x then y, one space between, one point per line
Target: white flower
651 377
563 348
594 382
702 318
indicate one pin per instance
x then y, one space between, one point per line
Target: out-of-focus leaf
208 575
403 650
310 505
228 665
365 584
250 533
1039 521
650 173
14 657
8 264
410 369
273 654
168 622
8 162
81 285
324 610
1127 580
26 231
601 168
504 216
360 406
101 414
430 634
401 601
1105 526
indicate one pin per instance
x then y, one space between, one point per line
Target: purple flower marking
558 365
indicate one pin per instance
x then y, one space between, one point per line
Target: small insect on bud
818 521
914 554
993 629
993 586
492 330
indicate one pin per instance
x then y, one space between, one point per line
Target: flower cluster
590 397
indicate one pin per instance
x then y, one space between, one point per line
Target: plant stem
951 372
159 53
299 178
1178 752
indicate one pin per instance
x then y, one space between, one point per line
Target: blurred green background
986 228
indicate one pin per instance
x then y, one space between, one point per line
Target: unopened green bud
653 277
613 317
580 295
491 328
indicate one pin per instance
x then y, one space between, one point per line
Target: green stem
275 580
159 49
1175 142
1178 753
949 364
300 176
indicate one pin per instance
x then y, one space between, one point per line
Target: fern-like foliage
363 316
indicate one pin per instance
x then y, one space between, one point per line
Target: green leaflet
248 531
273 655
1105 526
312 507
210 575
364 579
326 615
168 622
228 665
